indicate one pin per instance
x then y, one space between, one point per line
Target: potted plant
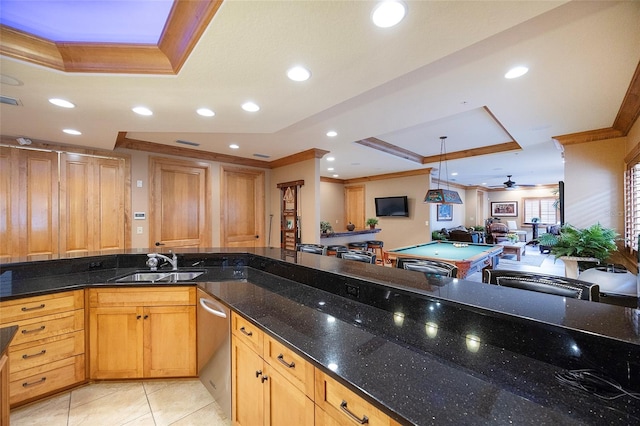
325 227
593 244
372 222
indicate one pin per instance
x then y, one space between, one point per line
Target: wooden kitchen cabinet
47 352
4 390
264 394
142 332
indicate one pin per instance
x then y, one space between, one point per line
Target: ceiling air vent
187 143
10 101
262 155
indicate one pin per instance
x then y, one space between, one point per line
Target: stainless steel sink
161 277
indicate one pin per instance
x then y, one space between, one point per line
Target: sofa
462 234
551 229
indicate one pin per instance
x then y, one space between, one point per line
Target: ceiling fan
511 184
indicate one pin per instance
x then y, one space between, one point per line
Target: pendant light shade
442 196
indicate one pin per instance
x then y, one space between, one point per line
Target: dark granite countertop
349 233
404 339
6 335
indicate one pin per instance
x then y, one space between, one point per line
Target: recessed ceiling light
332 133
72 132
234 146
330 158
336 175
205 112
388 13
142 110
298 73
250 107
454 174
516 72
61 103
330 169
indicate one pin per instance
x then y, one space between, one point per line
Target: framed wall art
504 208
444 212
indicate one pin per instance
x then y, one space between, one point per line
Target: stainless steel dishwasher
214 349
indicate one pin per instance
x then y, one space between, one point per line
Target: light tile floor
140 403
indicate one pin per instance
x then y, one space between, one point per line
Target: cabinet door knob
258 373
264 379
138 316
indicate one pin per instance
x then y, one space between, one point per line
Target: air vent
10 101
187 143
262 155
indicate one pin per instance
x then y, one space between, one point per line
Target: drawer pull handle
363 421
25 309
282 361
42 327
245 332
42 352
37 382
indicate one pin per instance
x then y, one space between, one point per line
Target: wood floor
134 403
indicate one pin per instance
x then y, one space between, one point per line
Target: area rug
526 260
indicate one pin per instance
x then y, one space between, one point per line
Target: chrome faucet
152 262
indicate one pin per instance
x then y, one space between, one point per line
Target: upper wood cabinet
55 203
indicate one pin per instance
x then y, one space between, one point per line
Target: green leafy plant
437 235
372 221
325 227
594 241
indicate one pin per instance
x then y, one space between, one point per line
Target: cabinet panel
247 332
115 342
170 341
48 326
44 351
31 383
248 391
291 365
4 390
286 404
148 296
31 307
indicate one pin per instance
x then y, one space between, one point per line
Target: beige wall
308 207
332 205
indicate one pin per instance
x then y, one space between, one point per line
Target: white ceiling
435 74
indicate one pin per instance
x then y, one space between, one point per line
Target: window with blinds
632 206
543 208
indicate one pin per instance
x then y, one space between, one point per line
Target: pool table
469 259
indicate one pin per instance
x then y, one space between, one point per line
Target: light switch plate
139 215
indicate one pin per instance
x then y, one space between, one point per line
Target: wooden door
354 205
242 208
285 403
179 203
92 197
116 342
248 390
169 341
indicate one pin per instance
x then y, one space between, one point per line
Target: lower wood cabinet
262 395
4 390
142 332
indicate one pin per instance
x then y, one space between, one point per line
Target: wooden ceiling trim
407 173
124 142
25 47
386 147
300 156
630 108
589 136
187 21
331 180
474 152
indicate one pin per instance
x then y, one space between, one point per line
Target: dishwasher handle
213 307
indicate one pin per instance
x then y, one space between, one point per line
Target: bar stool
375 246
334 249
357 245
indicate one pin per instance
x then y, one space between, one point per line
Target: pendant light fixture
442 196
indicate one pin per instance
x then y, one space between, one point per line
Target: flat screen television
392 206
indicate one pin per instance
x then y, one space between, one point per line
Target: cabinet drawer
247 333
146 296
42 352
48 326
345 406
37 381
291 365
32 307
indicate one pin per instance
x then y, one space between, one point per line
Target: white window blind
542 208
632 206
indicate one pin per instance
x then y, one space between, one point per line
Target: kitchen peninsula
344 238
422 350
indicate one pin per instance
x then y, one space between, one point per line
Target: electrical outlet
426 222
139 229
139 183
352 290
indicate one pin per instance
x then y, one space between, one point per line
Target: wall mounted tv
392 206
